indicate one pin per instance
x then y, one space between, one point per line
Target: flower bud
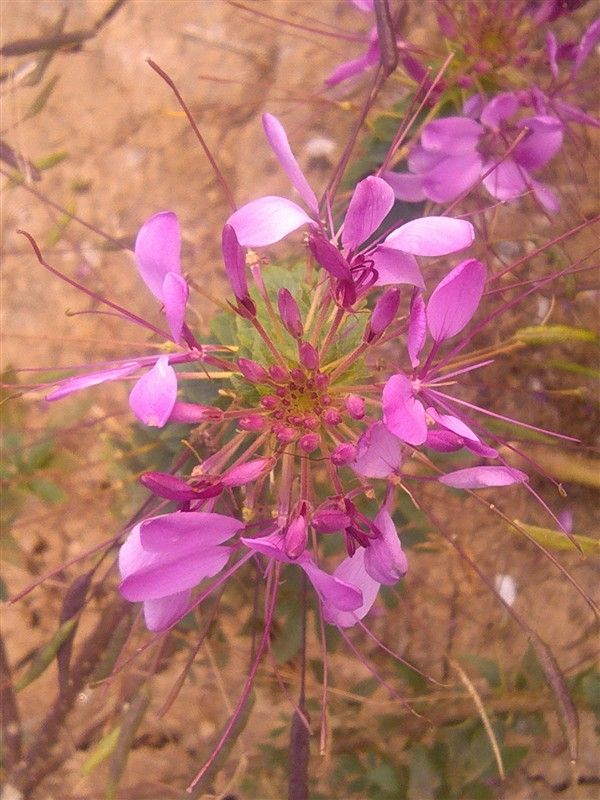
309 358
297 375
278 373
251 422
247 472
310 442
322 380
269 401
355 406
383 315
168 486
191 412
328 518
296 537
329 257
332 416
252 371
235 263
343 454
289 313
284 434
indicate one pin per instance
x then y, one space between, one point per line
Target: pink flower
450 308
157 257
454 153
382 561
164 557
355 262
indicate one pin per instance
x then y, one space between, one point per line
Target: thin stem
299 752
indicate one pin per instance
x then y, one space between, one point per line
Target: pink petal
452 423
172 573
371 202
451 135
452 177
473 106
152 575
356 66
154 395
432 236
551 50
379 453
588 41
348 69
483 477
364 5
352 571
508 180
417 329
71 385
394 266
406 186
281 147
570 112
175 293
247 472
271 546
501 107
158 250
444 441
169 532
235 262
481 449
267 220
541 144
455 299
329 257
161 613
421 160
403 414
333 591
546 196
385 560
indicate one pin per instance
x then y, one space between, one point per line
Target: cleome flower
354 257
489 143
318 402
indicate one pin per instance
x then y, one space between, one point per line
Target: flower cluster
496 140
322 404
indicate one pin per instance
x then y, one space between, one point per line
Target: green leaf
51 160
101 751
42 98
486 667
131 721
554 334
424 779
45 655
576 369
557 540
46 490
40 455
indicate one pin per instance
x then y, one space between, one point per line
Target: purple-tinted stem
399 658
272 586
89 292
299 752
388 49
65 211
188 113
308 28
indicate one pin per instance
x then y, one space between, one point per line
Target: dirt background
131 153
